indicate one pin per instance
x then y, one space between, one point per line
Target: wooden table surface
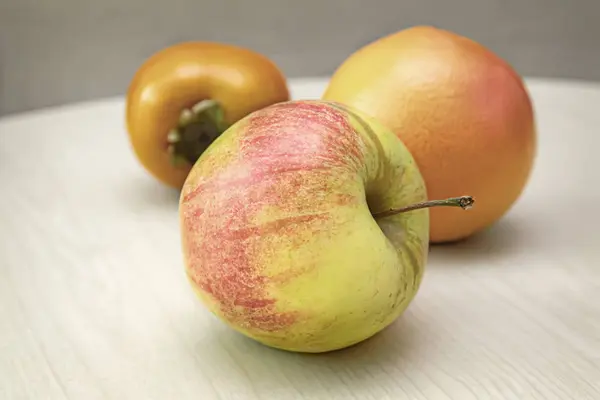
94 303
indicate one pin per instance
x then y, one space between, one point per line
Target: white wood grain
94 304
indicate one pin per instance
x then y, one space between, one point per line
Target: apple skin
277 233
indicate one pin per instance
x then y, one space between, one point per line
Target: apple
295 226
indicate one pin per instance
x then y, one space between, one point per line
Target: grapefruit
462 111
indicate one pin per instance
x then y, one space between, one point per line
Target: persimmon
184 96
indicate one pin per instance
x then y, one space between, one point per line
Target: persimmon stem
196 129
464 202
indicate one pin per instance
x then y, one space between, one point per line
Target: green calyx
196 129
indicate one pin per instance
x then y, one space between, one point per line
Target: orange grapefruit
463 112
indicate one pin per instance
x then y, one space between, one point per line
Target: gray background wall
59 51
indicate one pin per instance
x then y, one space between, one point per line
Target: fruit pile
306 224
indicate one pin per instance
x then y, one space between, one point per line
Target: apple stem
196 129
464 202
